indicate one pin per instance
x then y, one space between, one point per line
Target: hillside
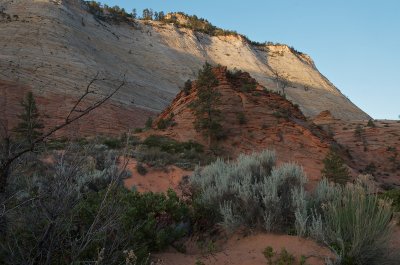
56 47
254 119
373 146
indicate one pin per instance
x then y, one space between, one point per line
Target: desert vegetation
205 107
252 192
193 22
64 201
335 169
283 257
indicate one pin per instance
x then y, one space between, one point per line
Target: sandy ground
248 251
155 180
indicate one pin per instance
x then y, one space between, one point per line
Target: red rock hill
267 121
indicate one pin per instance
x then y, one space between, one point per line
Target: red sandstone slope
375 150
110 119
272 122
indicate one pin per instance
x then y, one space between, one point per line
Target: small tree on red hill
207 115
334 168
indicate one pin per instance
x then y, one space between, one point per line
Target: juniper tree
359 132
187 87
334 168
30 126
149 123
205 106
371 123
134 13
147 14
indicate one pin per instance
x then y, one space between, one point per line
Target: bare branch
83 96
10 158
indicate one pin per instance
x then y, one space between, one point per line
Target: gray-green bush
252 192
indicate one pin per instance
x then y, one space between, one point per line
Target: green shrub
187 87
105 12
160 151
154 157
354 222
113 143
199 262
282 258
241 118
149 123
370 168
334 168
141 169
359 132
248 87
153 221
57 144
171 146
163 124
282 113
394 196
371 123
234 74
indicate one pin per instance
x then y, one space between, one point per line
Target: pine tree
334 168
134 13
207 115
30 126
147 14
187 87
149 123
161 16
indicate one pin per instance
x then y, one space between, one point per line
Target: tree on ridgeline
205 106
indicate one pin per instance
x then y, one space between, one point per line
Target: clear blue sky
354 43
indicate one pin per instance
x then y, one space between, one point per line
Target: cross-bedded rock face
56 47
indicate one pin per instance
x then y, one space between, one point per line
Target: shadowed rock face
271 122
57 47
111 118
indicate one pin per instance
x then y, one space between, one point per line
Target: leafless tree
9 153
281 80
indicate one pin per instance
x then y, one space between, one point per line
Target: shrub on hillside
394 196
148 221
163 124
187 87
154 157
241 118
371 123
105 12
334 168
149 123
141 169
171 146
160 151
72 213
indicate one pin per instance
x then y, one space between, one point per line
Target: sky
354 43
